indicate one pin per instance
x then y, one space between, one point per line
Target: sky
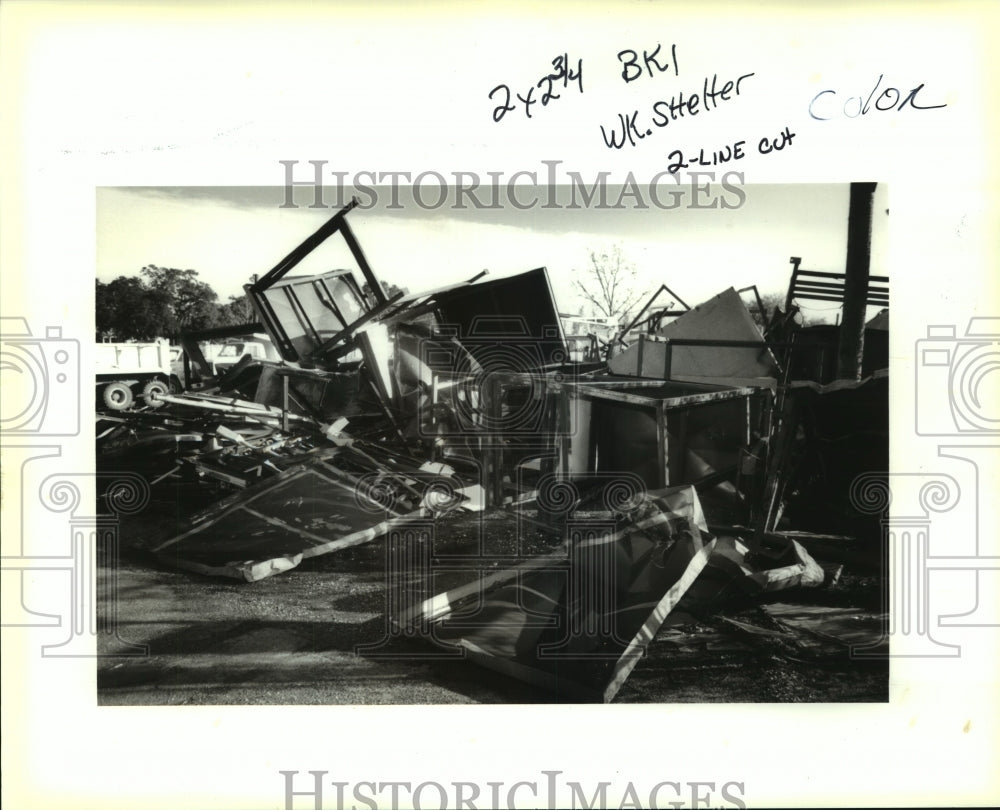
229 234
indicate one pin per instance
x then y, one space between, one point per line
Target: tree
610 284
104 311
127 309
237 312
161 302
770 301
192 302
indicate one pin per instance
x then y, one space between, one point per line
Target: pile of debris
693 443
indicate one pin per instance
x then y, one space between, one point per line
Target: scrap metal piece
846 626
826 436
799 568
715 342
814 285
666 433
232 406
306 315
510 324
657 316
313 508
577 623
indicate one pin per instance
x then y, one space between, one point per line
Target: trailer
133 372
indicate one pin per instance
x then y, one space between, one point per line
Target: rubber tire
156 387
117 396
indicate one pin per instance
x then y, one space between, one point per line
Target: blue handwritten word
888 99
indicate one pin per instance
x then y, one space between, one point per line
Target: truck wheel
118 396
152 392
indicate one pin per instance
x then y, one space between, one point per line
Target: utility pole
859 252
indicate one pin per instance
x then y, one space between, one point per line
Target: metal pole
859 248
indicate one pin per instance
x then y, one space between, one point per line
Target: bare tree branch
608 284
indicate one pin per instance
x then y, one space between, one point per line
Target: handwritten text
561 77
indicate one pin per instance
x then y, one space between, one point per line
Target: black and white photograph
587 459
496 406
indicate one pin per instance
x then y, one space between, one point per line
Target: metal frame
655 316
273 278
819 286
336 224
661 406
258 296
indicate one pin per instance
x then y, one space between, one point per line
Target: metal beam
326 230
